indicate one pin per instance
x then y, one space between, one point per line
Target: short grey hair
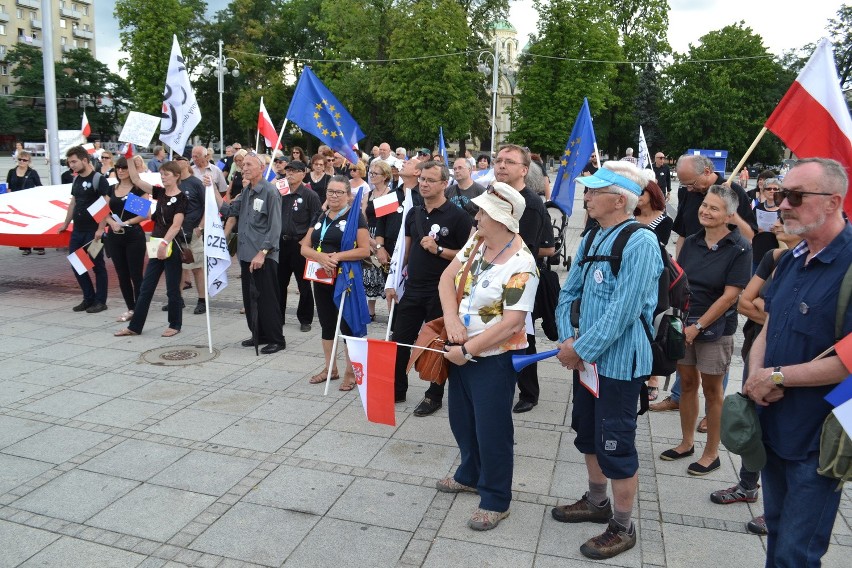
696 162
771 181
401 149
534 180
833 174
727 195
341 179
634 174
428 165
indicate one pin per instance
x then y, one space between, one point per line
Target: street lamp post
494 71
219 66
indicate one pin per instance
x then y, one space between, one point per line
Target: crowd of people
473 253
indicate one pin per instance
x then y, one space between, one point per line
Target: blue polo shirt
802 307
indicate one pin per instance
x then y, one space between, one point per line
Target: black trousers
155 268
408 317
292 263
266 307
528 377
127 251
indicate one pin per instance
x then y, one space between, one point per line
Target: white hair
634 174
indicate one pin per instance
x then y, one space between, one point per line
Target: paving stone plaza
108 459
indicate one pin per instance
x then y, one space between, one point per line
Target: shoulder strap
463 281
618 246
843 298
96 181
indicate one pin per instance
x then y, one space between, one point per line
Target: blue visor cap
604 178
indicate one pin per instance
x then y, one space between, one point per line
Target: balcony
32 4
82 33
67 13
4 17
29 40
35 24
87 2
66 48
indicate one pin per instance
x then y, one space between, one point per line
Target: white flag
180 113
215 247
644 155
398 269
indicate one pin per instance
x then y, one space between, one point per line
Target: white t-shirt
493 288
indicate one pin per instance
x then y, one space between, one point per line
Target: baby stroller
558 224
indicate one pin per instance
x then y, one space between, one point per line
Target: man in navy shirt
784 380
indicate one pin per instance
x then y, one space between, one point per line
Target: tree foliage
840 29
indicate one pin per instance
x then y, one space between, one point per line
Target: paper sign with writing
139 128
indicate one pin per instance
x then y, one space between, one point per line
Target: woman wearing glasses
374 276
322 244
107 166
21 177
298 154
357 173
488 326
317 178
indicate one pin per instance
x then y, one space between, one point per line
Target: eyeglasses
659 157
772 189
23 160
593 191
372 173
794 198
335 192
508 162
106 158
492 191
429 181
689 185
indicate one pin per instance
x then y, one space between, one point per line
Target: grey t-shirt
461 198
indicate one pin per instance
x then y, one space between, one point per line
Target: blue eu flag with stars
137 205
578 151
350 279
314 109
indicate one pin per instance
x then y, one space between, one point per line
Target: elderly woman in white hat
485 329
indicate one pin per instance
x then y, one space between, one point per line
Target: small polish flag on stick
266 128
373 361
127 150
80 261
86 129
89 147
99 209
386 204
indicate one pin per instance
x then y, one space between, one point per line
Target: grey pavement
107 459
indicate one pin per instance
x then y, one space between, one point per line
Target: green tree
556 74
840 29
146 35
721 92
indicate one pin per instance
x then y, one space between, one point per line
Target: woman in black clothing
23 177
126 239
317 178
171 206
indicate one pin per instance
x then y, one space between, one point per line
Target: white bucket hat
503 203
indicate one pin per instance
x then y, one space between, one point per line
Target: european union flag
442 147
137 205
578 150
314 109
351 277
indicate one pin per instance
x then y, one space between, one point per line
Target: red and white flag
373 361
386 204
127 150
80 261
86 129
266 128
89 147
812 119
99 209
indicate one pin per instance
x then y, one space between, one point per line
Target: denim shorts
606 426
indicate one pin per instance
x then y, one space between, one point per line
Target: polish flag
266 128
843 348
99 209
373 361
86 129
80 261
127 150
89 147
386 204
812 119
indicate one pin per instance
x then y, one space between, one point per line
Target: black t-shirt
333 233
686 221
299 210
116 204
319 187
84 195
451 229
535 223
709 270
193 189
664 177
167 207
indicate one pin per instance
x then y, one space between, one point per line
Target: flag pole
206 285
747 154
275 148
332 361
390 321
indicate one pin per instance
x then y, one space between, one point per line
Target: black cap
297 165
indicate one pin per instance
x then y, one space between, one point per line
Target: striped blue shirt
611 333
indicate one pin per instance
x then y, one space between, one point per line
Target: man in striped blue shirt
611 335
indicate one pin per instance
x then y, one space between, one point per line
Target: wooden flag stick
747 154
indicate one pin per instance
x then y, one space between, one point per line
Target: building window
5 89
2 29
19 13
32 16
86 44
74 43
35 35
85 10
61 3
4 69
62 23
62 40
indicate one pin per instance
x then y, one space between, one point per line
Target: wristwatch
439 251
467 356
698 325
265 251
379 245
777 376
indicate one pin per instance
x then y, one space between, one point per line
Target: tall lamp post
494 71
219 67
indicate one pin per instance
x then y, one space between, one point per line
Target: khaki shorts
710 357
196 245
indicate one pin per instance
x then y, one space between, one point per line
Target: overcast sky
780 28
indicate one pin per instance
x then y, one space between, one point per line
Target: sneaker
614 540
450 485
483 520
96 307
757 525
82 306
583 511
427 406
735 494
667 403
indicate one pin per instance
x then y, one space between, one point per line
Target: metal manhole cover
179 355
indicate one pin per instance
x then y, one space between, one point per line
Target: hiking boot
450 485
583 511
757 525
614 540
667 403
735 494
483 520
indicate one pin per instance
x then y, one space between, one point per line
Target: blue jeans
676 386
480 408
800 507
98 292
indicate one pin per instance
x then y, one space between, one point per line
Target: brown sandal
349 381
126 332
319 378
170 332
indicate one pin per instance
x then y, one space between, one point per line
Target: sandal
319 378
170 332
653 393
187 285
126 332
346 387
126 316
349 382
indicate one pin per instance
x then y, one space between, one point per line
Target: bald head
199 156
384 150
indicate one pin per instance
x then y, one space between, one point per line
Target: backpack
666 335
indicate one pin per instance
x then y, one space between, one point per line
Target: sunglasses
23 160
794 198
492 191
120 168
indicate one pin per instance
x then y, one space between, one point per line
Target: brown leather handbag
432 366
